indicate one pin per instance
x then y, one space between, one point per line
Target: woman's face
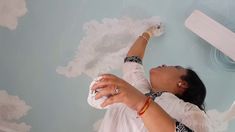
166 78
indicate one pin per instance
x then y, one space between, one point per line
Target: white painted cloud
12 109
105 45
10 11
219 121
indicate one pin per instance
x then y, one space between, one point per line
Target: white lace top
120 118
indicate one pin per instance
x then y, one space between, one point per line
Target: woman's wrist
141 103
146 35
145 106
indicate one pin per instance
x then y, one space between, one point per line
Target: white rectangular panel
213 32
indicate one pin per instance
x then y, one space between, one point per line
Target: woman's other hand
118 91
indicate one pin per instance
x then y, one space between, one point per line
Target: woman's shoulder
169 95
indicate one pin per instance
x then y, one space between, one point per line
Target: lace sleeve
133 73
186 113
196 120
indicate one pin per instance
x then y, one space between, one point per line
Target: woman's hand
118 91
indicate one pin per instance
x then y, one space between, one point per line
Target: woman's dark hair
196 91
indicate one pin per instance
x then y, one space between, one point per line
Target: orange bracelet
145 107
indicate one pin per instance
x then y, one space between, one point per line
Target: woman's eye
178 67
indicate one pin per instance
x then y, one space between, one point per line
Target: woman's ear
182 86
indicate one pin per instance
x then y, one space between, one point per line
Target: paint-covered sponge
91 96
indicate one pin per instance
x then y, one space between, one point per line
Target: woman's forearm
157 120
153 116
138 48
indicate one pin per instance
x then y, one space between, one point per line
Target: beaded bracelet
149 33
145 107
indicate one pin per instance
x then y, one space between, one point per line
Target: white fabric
120 118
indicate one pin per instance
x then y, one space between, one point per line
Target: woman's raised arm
139 46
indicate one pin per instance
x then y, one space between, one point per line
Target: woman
130 98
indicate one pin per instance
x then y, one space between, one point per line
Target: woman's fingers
113 94
105 80
111 100
107 77
106 91
102 84
117 91
112 87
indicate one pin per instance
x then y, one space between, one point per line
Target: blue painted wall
48 35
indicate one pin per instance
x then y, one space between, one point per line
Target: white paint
10 11
11 109
105 45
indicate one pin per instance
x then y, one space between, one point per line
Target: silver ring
116 90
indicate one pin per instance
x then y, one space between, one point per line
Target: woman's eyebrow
178 67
